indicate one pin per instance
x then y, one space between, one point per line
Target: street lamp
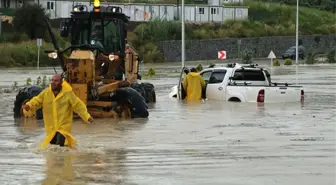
297 39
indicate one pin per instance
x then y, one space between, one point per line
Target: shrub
199 67
150 53
288 62
24 54
150 73
14 37
310 58
276 62
331 57
29 19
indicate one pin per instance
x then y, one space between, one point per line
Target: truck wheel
234 99
22 97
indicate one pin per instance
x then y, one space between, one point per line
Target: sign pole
39 44
183 35
38 57
271 56
297 41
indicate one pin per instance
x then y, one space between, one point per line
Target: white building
223 2
147 12
11 3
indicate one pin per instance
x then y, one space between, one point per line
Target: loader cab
106 28
103 30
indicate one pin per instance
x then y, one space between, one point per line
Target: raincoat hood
66 87
58 112
193 84
194 74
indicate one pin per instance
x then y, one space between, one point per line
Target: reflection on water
186 143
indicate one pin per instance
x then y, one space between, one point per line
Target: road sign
239 41
271 55
221 55
39 44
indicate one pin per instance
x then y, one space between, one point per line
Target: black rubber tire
146 90
151 96
129 95
25 94
140 88
150 92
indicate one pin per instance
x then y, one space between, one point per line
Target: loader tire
23 96
146 90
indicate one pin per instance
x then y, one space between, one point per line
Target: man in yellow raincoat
193 84
58 103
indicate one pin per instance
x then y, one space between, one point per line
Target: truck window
249 75
217 77
206 75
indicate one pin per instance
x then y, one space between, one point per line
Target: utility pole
178 11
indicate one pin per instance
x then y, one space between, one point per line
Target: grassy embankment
265 19
18 50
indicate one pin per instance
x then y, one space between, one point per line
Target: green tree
29 19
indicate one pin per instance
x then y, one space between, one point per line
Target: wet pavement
184 143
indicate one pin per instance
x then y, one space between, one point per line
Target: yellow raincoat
193 84
58 112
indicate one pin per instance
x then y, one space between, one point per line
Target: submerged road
213 143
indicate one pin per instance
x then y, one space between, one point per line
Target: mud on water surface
183 144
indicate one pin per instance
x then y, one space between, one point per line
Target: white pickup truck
240 83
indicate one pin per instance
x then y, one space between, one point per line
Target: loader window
112 35
80 32
97 34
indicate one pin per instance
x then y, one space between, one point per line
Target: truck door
215 89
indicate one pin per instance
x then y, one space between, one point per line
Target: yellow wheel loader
98 64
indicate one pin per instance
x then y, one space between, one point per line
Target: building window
5 4
50 5
214 10
200 10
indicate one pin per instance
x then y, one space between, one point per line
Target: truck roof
234 66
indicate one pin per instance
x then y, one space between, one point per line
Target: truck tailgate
283 94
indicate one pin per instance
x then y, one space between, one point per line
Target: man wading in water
58 102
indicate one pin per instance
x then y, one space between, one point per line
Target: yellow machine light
96 3
76 9
111 57
96 6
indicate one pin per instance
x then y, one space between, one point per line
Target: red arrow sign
221 55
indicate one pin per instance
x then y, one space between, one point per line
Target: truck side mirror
64 28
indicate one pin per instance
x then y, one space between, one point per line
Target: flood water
211 143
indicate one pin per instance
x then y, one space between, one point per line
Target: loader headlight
52 55
111 57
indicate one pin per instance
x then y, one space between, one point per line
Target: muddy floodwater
210 143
